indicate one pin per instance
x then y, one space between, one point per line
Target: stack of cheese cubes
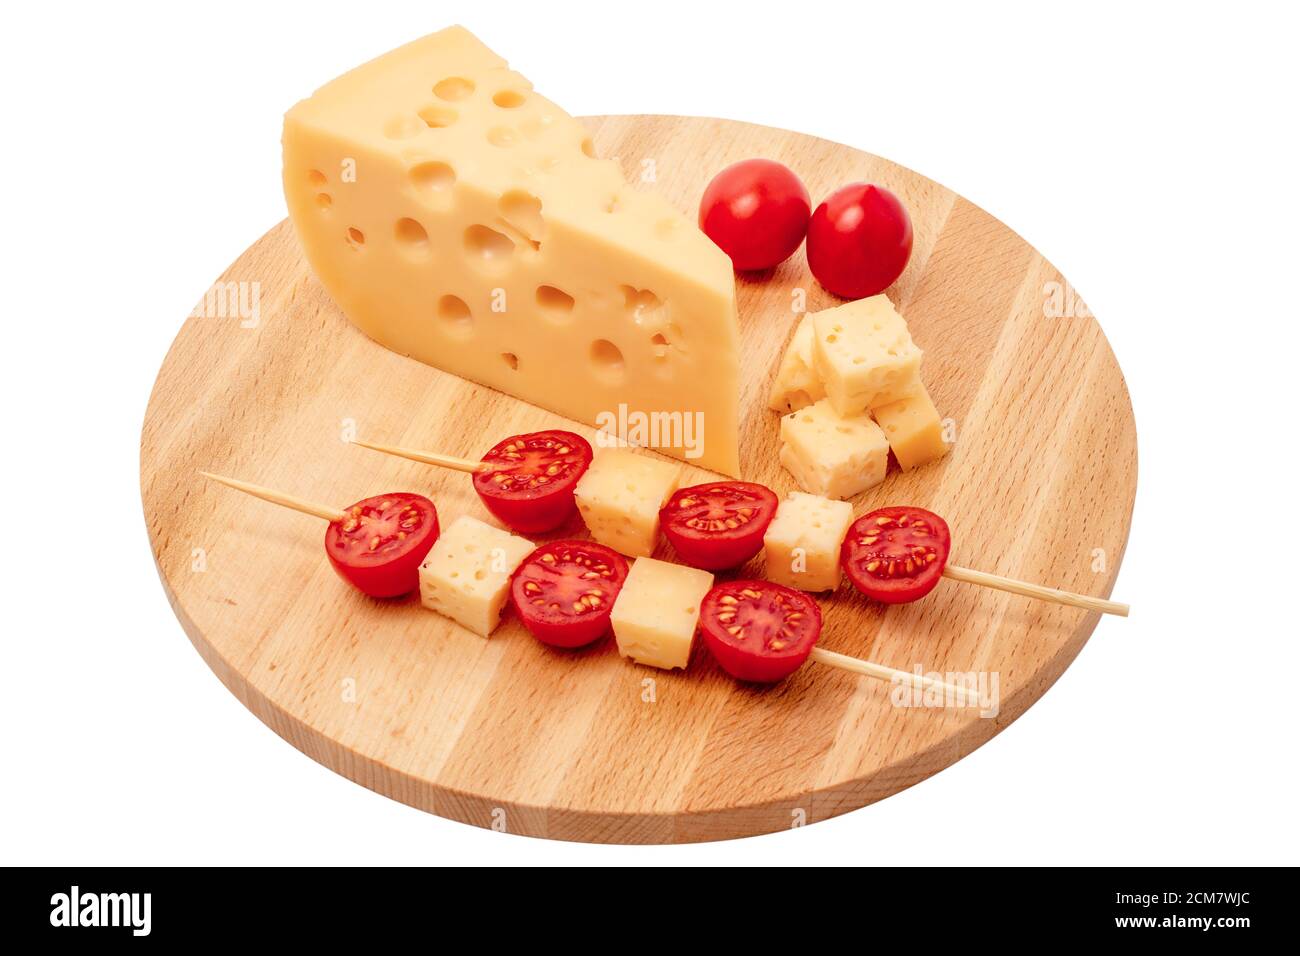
850 385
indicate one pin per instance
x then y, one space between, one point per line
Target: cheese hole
511 359
535 126
509 99
453 88
316 177
523 211
547 163
555 304
356 238
502 136
660 345
403 127
490 247
614 203
589 148
454 313
433 177
324 200
641 303
411 236
436 117
607 360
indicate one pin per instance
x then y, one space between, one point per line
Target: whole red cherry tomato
859 241
378 544
756 211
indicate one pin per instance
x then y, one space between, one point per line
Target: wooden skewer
278 497
855 665
1024 588
429 458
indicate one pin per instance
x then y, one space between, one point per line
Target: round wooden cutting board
506 733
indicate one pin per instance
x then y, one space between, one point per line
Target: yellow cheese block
620 496
796 385
656 612
802 543
913 428
466 575
459 218
864 354
831 455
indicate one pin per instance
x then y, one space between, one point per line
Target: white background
1151 153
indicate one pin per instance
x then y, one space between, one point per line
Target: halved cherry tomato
896 554
859 241
380 542
718 525
531 485
563 592
756 211
759 631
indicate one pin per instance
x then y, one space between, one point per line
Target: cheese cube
803 541
833 456
466 575
457 216
620 496
913 428
797 385
655 615
864 355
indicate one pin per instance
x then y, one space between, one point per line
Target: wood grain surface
509 734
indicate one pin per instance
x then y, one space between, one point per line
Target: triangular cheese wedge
459 218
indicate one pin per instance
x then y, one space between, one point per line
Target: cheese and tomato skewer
525 481
565 592
757 631
376 545
721 524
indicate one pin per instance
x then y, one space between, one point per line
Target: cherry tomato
897 554
719 525
531 485
564 591
756 211
379 543
859 241
759 631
